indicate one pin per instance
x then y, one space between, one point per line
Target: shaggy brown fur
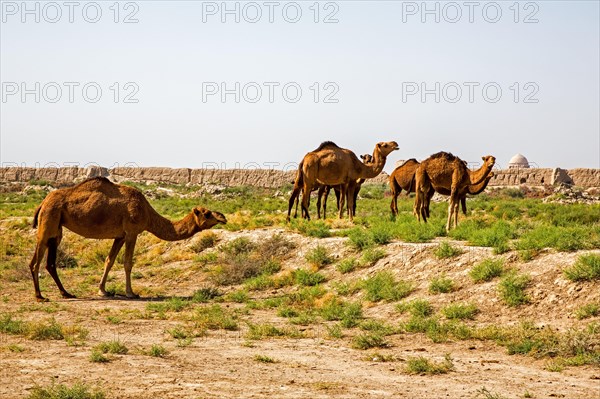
97 208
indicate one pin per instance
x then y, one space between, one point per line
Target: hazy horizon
184 85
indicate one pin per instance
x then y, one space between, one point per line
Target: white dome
518 161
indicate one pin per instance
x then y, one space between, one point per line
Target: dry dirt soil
222 364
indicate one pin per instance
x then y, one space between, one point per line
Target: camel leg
306 201
452 208
319 198
325 197
463 203
343 191
293 197
108 264
355 196
394 203
129 248
34 266
350 195
51 266
336 190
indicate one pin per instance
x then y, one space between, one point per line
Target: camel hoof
133 296
41 299
106 294
67 295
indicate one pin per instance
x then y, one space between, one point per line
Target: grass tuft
441 285
446 250
423 366
487 270
383 286
586 268
512 289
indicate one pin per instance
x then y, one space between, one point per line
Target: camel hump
446 155
412 160
95 181
326 144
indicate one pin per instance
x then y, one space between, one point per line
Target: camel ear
484 158
196 211
206 213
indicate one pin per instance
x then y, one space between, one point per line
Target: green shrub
383 286
512 289
587 311
586 268
319 256
370 256
446 250
60 391
421 365
487 270
157 351
441 285
308 278
368 341
416 307
346 265
460 311
348 312
359 239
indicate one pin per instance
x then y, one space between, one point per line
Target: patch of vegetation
359 239
206 294
370 256
369 340
319 256
512 289
587 311
113 347
215 317
348 313
264 359
441 285
206 240
157 351
42 330
334 331
423 366
380 358
460 311
266 330
417 308
308 278
487 270
347 265
383 286
586 268
446 250
61 391
313 228
377 326
98 357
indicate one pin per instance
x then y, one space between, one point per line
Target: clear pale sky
374 55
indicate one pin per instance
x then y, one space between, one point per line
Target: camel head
387 147
367 158
206 219
489 160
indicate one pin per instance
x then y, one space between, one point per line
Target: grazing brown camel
323 191
403 178
97 208
446 171
335 166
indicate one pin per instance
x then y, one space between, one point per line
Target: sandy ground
222 364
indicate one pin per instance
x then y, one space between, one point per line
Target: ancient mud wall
268 178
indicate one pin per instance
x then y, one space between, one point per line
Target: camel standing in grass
444 171
323 192
403 178
334 166
97 208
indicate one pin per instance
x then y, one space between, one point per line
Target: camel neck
475 189
479 175
375 168
168 230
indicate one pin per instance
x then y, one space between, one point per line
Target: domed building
518 162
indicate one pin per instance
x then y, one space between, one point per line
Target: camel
323 192
335 166
444 171
97 208
403 178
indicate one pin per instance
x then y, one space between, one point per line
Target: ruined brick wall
258 177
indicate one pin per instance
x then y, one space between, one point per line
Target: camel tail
35 217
